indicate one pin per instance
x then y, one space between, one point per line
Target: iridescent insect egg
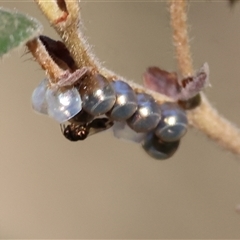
63 104
39 102
147 116
158 149
173 124
126 101
97 94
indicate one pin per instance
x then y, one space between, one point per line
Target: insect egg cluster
163 142
95 104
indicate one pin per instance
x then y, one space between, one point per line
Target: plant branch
66 21
58 72
178 22
204 117
53 71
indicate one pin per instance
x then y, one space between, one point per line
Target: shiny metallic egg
173 124
59 104
39 102
147 115
63 104
97 93
126 101
158 149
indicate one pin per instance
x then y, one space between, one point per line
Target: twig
204 117
66 20
178 17
53 71
58 76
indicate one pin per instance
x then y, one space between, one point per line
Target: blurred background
104 187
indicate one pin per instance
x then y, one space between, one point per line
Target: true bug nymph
78 132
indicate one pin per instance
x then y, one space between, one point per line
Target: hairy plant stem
66 20
204 117
67 23
53 71
178 17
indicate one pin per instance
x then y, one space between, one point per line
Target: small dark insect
78 132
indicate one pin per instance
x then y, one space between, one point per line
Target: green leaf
16 29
